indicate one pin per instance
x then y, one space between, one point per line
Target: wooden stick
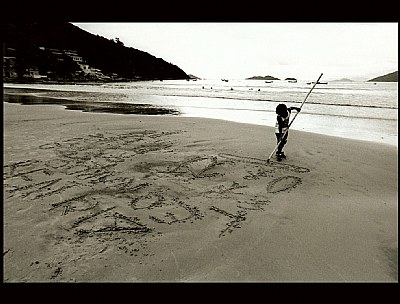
287 129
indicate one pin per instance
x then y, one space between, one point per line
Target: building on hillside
9 71
33 73
9 63
74 55
96 74
58 54
87 70
47 67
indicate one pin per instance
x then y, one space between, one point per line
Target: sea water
356 110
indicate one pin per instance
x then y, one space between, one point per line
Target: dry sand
92 197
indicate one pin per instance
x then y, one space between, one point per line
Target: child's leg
278 138
283 142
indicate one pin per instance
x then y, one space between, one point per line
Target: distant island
391 77
262 78
58 51
271 78
343 80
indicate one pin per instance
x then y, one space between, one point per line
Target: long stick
284 133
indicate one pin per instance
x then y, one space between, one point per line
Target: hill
56 48
391 77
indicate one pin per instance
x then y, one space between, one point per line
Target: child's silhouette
282 125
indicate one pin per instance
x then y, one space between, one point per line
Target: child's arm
295 108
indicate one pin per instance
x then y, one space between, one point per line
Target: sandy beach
97 197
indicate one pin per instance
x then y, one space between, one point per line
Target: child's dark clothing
282 125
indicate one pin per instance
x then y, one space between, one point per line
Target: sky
358 51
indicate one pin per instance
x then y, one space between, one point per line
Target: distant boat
317 83
226 80
292 81
268 81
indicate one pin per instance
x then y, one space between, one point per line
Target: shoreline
27 97
93 197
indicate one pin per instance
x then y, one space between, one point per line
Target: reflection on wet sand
91 106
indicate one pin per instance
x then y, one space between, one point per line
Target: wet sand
95 197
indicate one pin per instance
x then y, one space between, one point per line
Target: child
281 125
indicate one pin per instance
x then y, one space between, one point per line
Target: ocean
355 110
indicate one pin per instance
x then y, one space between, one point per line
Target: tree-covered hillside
391 77
27 40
